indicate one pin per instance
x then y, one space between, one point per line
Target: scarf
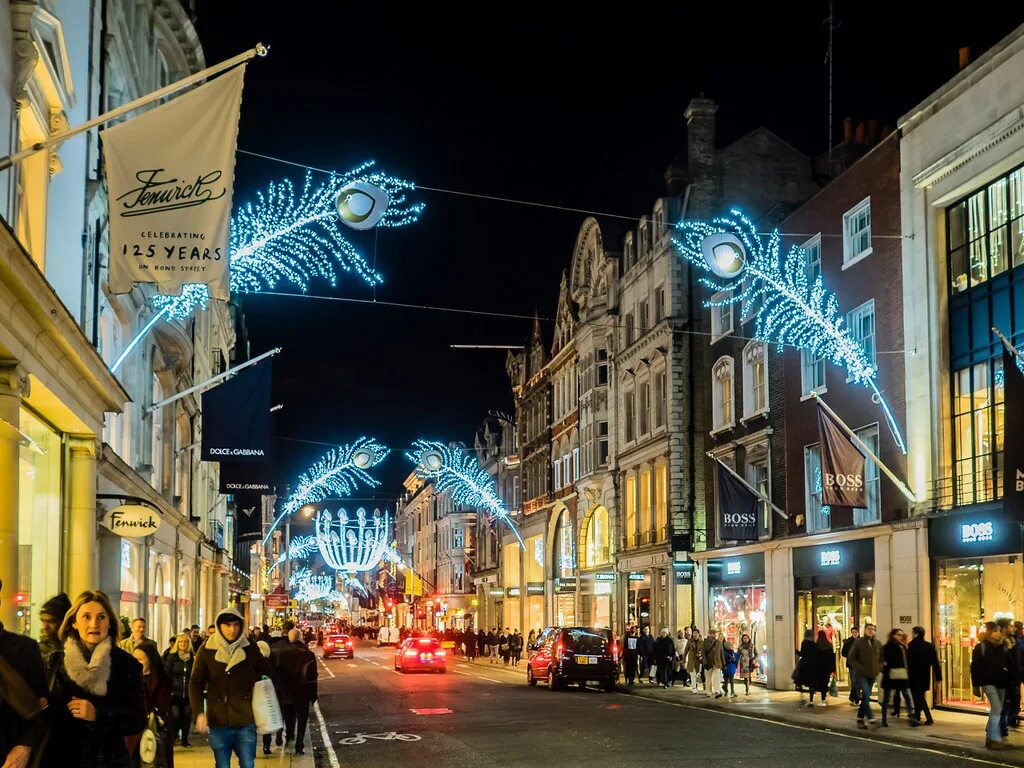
228 654
48 646
93 673
184 655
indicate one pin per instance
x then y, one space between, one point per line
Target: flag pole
866 451
747 485
1006 341
212 380
8 160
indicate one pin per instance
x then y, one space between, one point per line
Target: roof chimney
859 134
872 132
847 130
965 56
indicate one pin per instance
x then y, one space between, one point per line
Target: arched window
598 550
755 378
565 550
722 379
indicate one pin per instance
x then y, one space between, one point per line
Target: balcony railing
644 538
979 487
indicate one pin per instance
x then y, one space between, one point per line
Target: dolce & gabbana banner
236 417
170 177
842 466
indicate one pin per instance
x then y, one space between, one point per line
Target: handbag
654 670
266 710
152 744
898 673
833 689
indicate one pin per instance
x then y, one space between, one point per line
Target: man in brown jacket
225 670
865 662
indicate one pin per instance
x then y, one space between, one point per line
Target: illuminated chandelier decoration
310 587
789 308
458 472
352 546
294 238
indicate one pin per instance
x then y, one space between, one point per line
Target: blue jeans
865 684
241 741
994 728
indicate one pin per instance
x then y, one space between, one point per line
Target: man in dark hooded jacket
297 665
922 662
630 654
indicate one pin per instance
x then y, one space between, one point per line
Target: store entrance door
831 610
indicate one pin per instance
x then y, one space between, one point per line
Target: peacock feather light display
789 307
458 472
298 548
353 545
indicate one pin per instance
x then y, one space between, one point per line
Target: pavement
199 755
479 714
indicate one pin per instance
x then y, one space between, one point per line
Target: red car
338 645
423 653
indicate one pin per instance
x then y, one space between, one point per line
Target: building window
722 389
985 232
659 304
628 250
861 322
601 355
817 517
630 531
661 502
598 549
558 474
645 407
857 233
628 405
602 443
812 258
643 310
757 476
659 221
873 513
457 538
978 432
812 372
644 241
721 317
575 464
755 378
630 328
660 399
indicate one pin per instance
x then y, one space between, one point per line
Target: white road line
479 677
828 732
326 737
324 663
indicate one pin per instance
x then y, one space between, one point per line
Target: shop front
511 608
638 599
738 603
596 591
835 586
977 576
534 614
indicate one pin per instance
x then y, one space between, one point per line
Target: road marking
352 665
436 711
827 732
331 755
361 738
324 663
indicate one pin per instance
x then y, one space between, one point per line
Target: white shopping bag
266 711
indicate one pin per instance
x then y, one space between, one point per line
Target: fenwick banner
1013 431
248 516
170 177
842 466
737 509
240 478
236 417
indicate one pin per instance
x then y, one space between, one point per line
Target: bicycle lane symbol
362 738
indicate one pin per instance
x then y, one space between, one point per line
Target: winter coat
631 646
711 654
865 657
120 712
296 665
128 645
807 667
158 699
664 650
646 646
22 654
989 665
732 660
894 656
179 671
693 657
847 645
492 639
922 660
825 667
481 642
747 660
680 646
227 692
515 643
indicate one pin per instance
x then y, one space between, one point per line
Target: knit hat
57 606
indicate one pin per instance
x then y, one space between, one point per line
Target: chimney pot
965 56
872 132
847 130
859 134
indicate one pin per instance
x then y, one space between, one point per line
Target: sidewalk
953 732
199 755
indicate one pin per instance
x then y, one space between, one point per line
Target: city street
482 715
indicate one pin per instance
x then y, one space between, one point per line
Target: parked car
562 655
387 636
338 645
422 653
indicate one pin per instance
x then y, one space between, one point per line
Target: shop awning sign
634 576
605 576
132 520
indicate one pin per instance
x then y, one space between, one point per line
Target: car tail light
410 654
615 651
558 650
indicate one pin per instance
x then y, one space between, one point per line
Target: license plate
585 660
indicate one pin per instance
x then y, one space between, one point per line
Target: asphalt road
482 716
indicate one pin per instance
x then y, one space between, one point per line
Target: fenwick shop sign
132 520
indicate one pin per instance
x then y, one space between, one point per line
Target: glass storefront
738 602
638 599
39 519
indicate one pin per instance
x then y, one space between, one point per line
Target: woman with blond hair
97 698
178 664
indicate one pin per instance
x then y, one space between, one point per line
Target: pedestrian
138 637
516 645
23 689
97 699
825 666
865 661
895 676
157 686
693 658
807 668
179 669
732 660
1013 675
531 639
225 672
50 617
1012 705
664 656
275 677
470 644
630 655
481 643
713 658
492 645
747 661
678 668
646 654
922 661
297 667
195 637
990 672
845 652
504 647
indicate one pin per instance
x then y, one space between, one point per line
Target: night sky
583 111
